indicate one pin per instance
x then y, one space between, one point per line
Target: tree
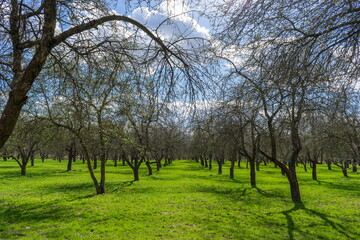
25 141
285 58
82 106
30 34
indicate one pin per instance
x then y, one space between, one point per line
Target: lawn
182 201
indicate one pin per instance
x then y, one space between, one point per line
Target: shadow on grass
248 194
73 191
116 187
16 173
342 230
346 186
29 214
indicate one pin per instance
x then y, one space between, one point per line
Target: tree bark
232 167
148 165
32 159
95 162
344 171
219 161
158 164
354 167
136 173
328 163
252 173
314 173
23 170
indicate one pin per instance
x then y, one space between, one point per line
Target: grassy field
182 201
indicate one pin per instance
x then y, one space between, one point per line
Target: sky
182 16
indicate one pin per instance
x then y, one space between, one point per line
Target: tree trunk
294 185
71 150
158 164
305 167
100 188
219 166
102 174
210 163
136 173
232 167
344 171
314 173
95 162
295 190
148 165
328 163
354 167
32 159
69 165
252 173
23 170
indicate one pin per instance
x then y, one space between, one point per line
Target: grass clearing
182 201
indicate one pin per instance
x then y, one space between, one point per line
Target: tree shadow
324 217
262 192
116 187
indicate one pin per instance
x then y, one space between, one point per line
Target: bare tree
30 33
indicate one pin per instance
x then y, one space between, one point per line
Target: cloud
171 21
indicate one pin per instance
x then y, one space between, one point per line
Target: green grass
182 201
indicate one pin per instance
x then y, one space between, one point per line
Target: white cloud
171 21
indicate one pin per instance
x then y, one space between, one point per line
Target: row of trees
104 86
